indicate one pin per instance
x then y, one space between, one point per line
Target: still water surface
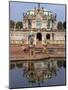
34 74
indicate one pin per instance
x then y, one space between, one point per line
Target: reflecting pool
37 73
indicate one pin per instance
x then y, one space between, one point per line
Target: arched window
53 36
48 36
39 36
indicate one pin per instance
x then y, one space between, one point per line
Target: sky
17 9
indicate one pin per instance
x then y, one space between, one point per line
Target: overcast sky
17 9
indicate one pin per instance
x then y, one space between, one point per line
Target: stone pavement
18 52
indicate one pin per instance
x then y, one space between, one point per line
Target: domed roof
45 12
31 12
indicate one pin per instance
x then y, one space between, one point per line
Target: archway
48 36
39 36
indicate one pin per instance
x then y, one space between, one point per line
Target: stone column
26 38
32 52
35 38
51 36
43 38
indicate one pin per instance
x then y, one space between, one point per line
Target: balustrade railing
45 42
55 41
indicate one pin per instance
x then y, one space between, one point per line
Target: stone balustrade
47 42
56 41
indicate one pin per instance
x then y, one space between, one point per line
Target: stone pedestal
32 51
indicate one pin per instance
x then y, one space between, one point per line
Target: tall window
46 13
52 36
48 25
38 23
29 23
48 36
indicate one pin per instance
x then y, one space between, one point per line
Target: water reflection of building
39 25
40 70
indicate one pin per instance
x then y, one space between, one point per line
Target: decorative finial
38 5
35 8
42 8
55 16
23 14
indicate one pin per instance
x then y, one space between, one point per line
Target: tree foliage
11 24
19 25
60 25
64 25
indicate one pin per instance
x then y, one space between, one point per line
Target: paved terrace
18 52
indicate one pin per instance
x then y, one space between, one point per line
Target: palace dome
45 12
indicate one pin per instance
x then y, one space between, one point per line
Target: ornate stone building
40 26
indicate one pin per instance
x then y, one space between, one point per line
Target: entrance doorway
39 36
48 36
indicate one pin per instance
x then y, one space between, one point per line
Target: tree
11 24
60 25
59 63
64 25
19 25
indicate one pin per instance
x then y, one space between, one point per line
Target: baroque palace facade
39 26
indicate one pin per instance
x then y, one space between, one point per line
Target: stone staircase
39 48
